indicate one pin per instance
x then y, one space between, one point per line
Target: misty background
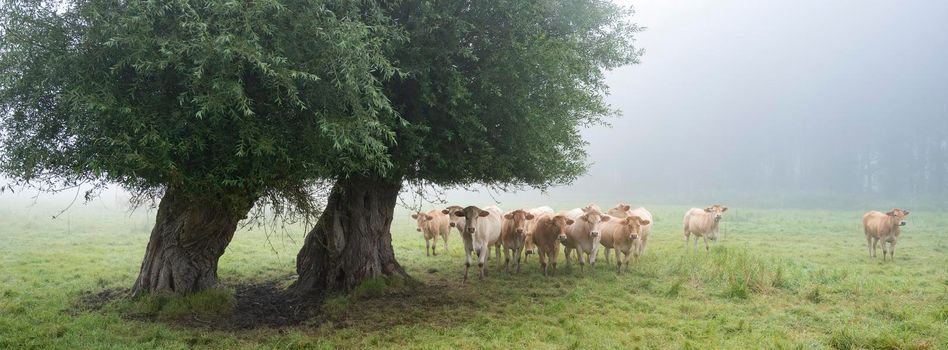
829 104
838 104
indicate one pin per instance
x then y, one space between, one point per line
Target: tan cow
532 223
623 210
432 224
583 234
703 223
884 227
481 231
545 237
513 232
622 235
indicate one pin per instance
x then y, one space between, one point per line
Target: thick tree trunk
352 240
186 242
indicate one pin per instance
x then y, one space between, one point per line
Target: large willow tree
494 92
213 105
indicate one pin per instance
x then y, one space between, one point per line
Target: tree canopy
220 100
497 91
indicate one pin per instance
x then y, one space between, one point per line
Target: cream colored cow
885 228
432 224
703 223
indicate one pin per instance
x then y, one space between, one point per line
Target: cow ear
429 217
644 222
891 213
459 213
530 216
626 207
445 211
604 218
484 213
708 209
906 212
508 216
723 209
569 221
414 216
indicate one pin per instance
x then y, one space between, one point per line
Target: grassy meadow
778 279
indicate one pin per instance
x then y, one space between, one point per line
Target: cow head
421 219
621 210
454 220
898 214
470 215
519 218
717 211
561 223
591 207
593 217
633 226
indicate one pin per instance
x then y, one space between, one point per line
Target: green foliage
496 91
221 100
232 101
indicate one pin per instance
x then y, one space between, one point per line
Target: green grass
779 279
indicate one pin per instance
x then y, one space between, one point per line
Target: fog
802 103
838 104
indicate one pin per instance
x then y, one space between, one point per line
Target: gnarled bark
352 240
188 239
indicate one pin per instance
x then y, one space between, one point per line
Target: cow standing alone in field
884 227
513 233
703 223
481 230
432 224
545 237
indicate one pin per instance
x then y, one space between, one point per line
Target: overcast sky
722 81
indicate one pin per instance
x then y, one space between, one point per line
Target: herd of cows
583 230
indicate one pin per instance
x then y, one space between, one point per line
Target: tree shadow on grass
268 304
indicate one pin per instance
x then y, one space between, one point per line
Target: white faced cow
481 230
583 235
703 223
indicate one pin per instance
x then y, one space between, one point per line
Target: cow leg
445 237
875 242
581 258
506 260
706 247
518 252
885 250
618 261
467 266
499 246
542 257
482 255
566 252
427 247
594 256
607 255
687 240
869 245
892 250
553 257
